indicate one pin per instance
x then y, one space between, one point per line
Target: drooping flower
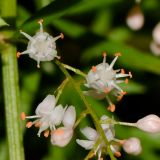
103 79
155 48
132 146
156 34
92 135
62 135
135 18
150 123
42 46
47 115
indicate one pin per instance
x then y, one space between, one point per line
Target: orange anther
23 116
104 54
94 69
37 124
119 97
106 90
18 54
130 74
126 81
46 133
29 124
123 92
122 71
58 131
117 54
40 21
112 108
62 35
117 154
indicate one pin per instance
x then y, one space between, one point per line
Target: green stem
12 103
77 71
126 124
89 108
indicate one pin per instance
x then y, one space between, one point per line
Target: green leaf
3 23
131 57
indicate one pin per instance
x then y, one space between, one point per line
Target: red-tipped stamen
126 81
62 35
112 108
46 133
29 124
23 116
18 54
130 74
117 154
123 93
94 69
106 90
119 97
117 54
122 71
104 54
40 21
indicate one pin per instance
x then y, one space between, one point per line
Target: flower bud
132 146
61 136
156 33
135 18
150 123
155 48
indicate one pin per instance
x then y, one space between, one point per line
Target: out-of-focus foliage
90 27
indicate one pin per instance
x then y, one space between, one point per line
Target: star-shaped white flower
42 46
47 115
102 79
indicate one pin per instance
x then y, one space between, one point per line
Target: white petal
85 144
69 117
104 126
61 136
109 134
43 125
46 106
90 133
57 115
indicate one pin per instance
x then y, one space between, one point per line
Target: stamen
130 74
46 133
18 54
61 35
106 90
37 124
117 54
94 69
40 21
117 154
104 57
119 97
112 108
29 124
58 57
23 116
126 81
122 71
58 131
123 93
91 155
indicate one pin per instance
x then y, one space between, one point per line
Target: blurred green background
90 27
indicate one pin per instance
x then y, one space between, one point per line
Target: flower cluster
102 79
41 46
48 115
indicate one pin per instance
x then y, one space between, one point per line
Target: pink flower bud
132 146
150 123
61 136
156 33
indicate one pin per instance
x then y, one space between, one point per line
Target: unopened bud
132 146
135 18
150 123
155 48
156 33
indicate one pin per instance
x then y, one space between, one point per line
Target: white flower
102 79
132 146
92 135
155 48
150 123
62 136
47 115
42 46
135 18
156 34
